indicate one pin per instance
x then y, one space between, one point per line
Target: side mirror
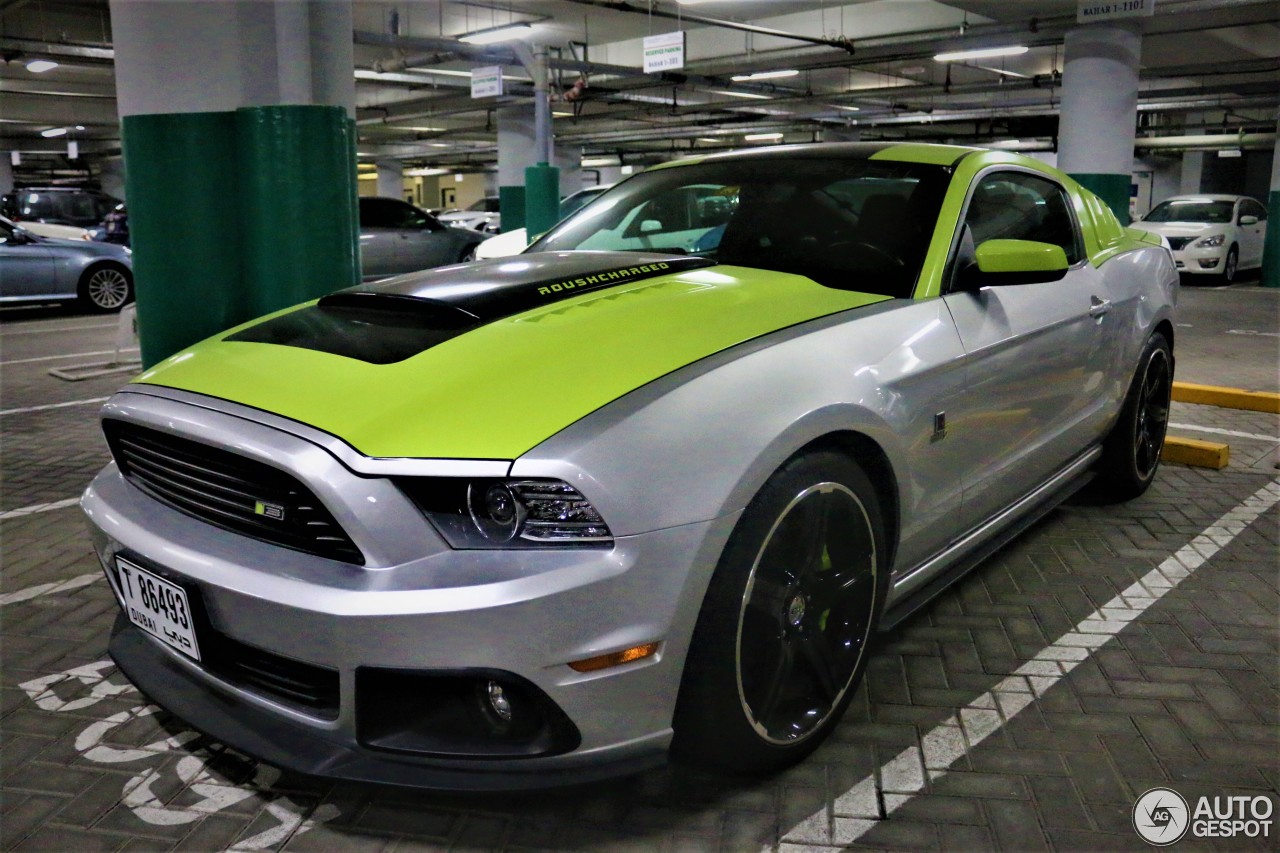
650 226
1000 263
1248 219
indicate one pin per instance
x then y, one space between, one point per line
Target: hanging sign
486 82
663 52
1105 10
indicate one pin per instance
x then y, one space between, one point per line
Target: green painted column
1270 276
542 198
229 220
239 147
1271 249
1099 110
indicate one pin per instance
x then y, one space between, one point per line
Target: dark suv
59 205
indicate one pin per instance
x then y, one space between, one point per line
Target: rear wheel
105 287
782 637
1131 454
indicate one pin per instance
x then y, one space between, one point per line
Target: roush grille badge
269 510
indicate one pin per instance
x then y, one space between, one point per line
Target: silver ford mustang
649 487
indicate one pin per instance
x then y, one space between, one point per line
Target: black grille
305 686
228 490
1179 243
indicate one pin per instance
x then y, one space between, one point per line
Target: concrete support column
391 178
6 171
1099 108
1192 171
239 145
1270 276
517 151
111 177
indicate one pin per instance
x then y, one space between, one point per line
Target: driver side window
1023 206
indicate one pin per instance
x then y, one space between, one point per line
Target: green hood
502 385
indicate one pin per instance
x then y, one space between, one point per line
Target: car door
424 241
1037 354
1252 235
28 267
379 238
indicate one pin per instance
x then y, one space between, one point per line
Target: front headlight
508 513
1211 242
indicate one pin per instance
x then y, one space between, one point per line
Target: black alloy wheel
787 620
804 621
1131 453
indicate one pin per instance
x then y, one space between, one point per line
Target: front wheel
105 288
1131 453
783 633
1231 266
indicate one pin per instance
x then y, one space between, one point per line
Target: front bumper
1193 261
516 616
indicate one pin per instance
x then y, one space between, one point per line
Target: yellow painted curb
1227 398
1192 451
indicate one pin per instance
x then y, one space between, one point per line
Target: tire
782 637
1230 267
1131 453
105 287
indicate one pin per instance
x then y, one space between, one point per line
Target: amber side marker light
615 658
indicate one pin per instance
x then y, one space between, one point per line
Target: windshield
1191 210
849 224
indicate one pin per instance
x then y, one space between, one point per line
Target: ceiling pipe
622 6
1209 141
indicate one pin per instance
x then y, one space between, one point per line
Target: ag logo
1161 816
269 510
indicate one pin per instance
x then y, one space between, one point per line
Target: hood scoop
400 317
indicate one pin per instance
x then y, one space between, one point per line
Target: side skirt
934 575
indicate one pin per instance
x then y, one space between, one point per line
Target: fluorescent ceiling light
740 94
39 66
415 127
761 137
594 162
768 75
53 131
493 35
980 53
847 107
706 139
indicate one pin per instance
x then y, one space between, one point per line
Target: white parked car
515 241
1215 235
483 215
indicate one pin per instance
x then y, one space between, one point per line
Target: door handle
1098 307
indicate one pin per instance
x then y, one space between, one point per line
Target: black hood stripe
403 316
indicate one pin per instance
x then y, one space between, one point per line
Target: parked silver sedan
397 237
650 487
41 269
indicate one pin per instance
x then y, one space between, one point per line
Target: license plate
158 607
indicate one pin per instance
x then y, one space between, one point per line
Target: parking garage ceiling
1210 71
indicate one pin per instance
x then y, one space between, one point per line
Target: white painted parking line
49 588
861 808
1252 332
68 355
54 406
1231 432
36 508
50 329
